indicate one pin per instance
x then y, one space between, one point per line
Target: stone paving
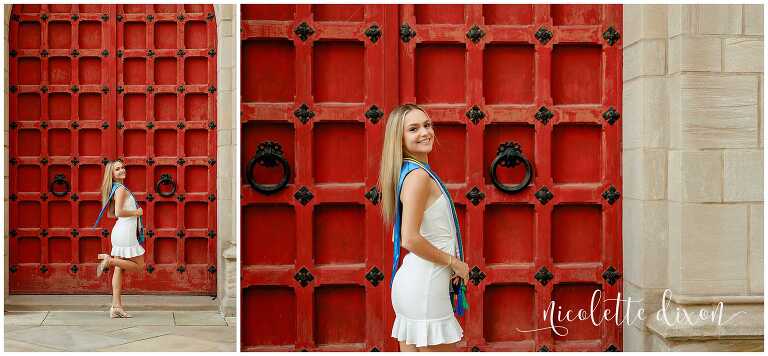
95 331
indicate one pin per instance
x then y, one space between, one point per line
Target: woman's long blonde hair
392 159
106 187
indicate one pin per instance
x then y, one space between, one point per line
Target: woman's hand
139 212
461 268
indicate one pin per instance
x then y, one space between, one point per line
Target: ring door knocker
165 179
510 154
59 179
268 154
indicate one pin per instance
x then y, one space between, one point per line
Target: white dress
124 242
420 290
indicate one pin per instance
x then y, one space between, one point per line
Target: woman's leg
407 348
117 284
139 261
129 265
439 348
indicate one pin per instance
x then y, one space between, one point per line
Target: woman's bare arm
120 196
414 196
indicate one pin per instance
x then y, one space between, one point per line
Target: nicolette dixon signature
555 314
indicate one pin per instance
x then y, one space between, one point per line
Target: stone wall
226 195
693 172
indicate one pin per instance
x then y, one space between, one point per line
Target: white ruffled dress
420 290
124 242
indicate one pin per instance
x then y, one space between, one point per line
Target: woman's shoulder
417 180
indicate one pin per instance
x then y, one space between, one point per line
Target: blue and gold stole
115 186
459 291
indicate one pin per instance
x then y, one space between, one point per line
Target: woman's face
418 134
118 171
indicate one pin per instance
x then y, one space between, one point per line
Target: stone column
693 171
225 161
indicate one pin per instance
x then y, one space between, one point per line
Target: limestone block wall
226 157
693 172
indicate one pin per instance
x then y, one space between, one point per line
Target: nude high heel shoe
116 313
103 265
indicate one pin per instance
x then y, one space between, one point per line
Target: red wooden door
543 79
96 82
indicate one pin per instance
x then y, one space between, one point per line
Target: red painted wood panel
96 82
310 259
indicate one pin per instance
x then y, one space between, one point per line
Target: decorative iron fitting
211 161
544 115
212 52
12 197
374 114
150 197
475 114
475 349
374 276
44 89
119 17
544 276
74 17
211 197
475 196
43 232
44 124
543 35
13 125
373 32
120 52
180 125
181 52
544 195
13 88
43 268
180 234
180 197
211 234
180 89
303 31
74 197
611 115
181 161
104 17
74 268
75 125
476 275
303 195
151 233
303 276
105 53
74 161
180 17
13 161
611 275
373 195
150 88
150 18
406 32
375 349
43 196
611 35
120 125
44 16
104 89
211 89
104 125
120 89
12 233
150 161
211 125
44 160
150 53
150 125
75 53
104 161
12 53
44 53
544 349
181 269
612 348
74 233
611 195
475 34
104 232
209 17
150 268
303 113
212 269
14 269
75 89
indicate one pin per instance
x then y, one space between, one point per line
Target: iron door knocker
509 154
268 154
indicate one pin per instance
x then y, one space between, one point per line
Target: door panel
83 91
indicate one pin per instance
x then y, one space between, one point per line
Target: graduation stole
458 292
115 186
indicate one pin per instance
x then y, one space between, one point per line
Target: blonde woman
127 253
425 223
